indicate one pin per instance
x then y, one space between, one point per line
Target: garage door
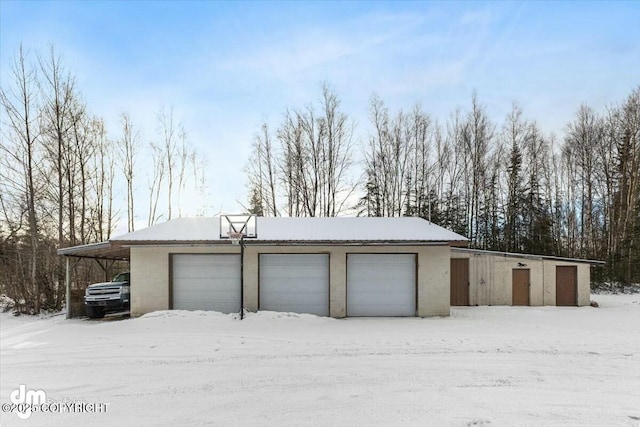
297 283
381 285
206 282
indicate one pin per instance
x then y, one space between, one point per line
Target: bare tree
337 131
169 144
127 156
291 164
58 86
315 158
583 136
387 161
104 173
200 165
455 189
420 132
183 163
59 98
155 182
80 150
477 138
261 170
20 156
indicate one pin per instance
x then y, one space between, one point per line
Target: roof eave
101 250
532 256
71 250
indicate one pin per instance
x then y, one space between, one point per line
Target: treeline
62 178
507 186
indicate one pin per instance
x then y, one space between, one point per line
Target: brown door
566 285
460 281
520 283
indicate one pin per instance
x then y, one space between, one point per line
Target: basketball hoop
237 228
235 237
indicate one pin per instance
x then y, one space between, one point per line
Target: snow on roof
307 229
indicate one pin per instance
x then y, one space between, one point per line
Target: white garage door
381 285
206 282
297 283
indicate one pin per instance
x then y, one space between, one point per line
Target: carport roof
281 229
102 250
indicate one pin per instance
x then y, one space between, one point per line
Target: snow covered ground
483 366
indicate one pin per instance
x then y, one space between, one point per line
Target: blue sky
227 67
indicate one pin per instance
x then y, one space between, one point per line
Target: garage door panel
206 282
381 285
297 283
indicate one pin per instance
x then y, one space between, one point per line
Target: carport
105 254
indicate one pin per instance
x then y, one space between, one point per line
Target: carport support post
241 278
67 283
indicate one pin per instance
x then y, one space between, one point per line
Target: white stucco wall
584 284
150 274
434 283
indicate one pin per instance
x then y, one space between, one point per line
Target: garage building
338 267
325 266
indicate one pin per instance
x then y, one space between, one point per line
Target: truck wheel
95 312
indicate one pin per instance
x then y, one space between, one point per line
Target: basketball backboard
234 225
